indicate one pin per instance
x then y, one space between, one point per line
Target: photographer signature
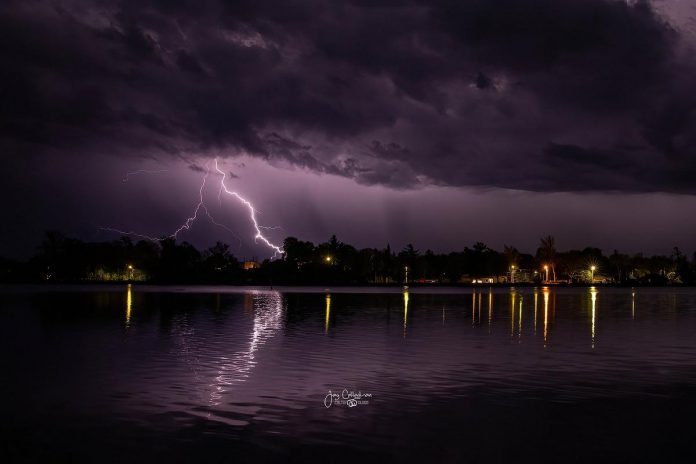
346 398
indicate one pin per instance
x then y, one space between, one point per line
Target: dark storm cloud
532 94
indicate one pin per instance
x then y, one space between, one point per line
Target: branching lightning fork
201 205
252 212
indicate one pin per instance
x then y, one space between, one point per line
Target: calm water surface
449 375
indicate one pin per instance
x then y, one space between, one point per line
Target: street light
328 259
592 269
130 272
546 269
406 269
512 274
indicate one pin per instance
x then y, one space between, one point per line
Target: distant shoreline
400 287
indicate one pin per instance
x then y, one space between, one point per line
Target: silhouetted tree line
63 259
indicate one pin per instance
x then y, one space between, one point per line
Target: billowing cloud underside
547 95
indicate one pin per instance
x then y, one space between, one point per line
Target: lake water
206 374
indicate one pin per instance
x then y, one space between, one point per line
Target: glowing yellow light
328 313
129 303
593 293
546 313
405 310
593 268
328 259
479 307
490 307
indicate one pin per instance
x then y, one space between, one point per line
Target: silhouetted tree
219 265
512 256
547 253
63 259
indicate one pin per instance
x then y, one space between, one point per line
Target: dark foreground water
216 374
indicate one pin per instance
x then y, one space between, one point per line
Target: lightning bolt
252 212
201 206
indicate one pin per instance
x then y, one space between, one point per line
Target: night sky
439 123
